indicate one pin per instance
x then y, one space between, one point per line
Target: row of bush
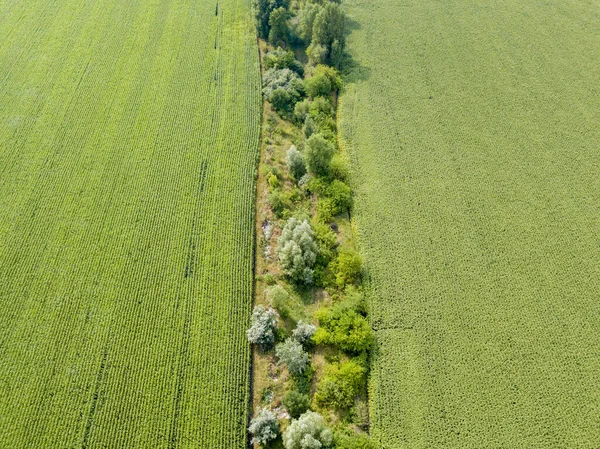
308 250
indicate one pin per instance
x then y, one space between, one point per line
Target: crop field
128 142
473 130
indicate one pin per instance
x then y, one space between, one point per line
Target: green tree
328 36
340 195
296 403
278 32
322 82
297 250
318 153
347 268
344 327
262 11
264 428
295 163
308 432
263 325
341 383
292 355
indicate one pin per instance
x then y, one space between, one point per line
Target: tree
328 35
296 403
297 250
340 195
278 32
282 59
348 439
347 268
262 10
323 80
292 355
307 17
283 89
344 327
263 325
318 154
304 332
309 127
340 384
307 432
295 163
264 427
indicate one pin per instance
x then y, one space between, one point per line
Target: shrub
279 299
320 110
264 427
338 167
304 332
282 59
340 195
297 250
347 268
318 154
301 111
309 127
279 202
278 31
340 385
295 163
348 439
307 432
292 355
296 403
283 89
263 325
323 81
344 327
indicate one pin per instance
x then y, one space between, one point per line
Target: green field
128 143
473 129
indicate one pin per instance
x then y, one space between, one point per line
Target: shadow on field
352 70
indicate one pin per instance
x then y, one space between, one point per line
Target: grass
128 143
473 134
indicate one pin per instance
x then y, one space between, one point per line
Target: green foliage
296 403
292 355
303 333
283 89
282 59
328 36
340 195
309 127
321 110
341 383
347 268
348 439
295 163
297 250
278 29
308 432
263 325
279 299
264 427
301 110
318 153
279 202
338 167
322 82
262 11
343 327
307 16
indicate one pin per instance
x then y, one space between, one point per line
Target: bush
344 327
340 195
296 403
278 32
295 163
279 299
320 109
263 326
304 332
318 155
308 432
283 89
297 250
292 355
282 59
347 268
264 428
309 127
323 81
347 439
341 383
301 111
279 202
338 167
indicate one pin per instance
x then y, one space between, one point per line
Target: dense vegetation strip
473 134
128 144
310 329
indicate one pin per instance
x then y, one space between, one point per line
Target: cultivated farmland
128 145
473 132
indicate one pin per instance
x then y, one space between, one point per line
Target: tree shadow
352 70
